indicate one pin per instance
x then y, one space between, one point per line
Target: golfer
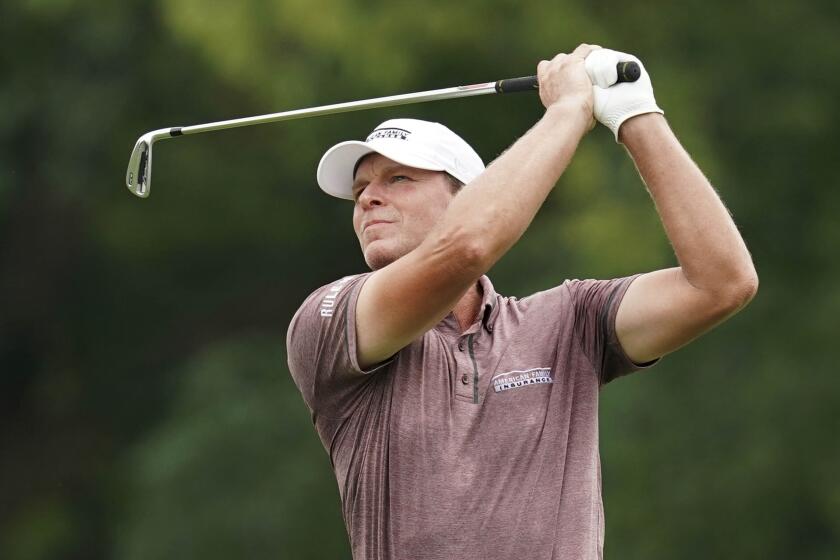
462 423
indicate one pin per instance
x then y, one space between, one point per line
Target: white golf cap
411 142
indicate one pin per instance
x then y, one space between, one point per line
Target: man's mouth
374 223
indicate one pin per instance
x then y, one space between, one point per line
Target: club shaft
389 101
138 176
626 71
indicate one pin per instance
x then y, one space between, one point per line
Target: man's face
395 207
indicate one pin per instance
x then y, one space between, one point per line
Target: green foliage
230 472
146 409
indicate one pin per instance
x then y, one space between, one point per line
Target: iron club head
138 176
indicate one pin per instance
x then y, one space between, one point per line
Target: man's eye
396 178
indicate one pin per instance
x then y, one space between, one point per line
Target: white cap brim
335 171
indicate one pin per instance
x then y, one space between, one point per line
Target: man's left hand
614 104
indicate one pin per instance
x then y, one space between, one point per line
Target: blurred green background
145 407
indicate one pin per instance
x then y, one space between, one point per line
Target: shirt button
465 380
461 346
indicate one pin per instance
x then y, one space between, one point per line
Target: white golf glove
615 104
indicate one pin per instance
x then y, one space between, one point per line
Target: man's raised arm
401 301
664 310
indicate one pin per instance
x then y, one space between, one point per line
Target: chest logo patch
521 378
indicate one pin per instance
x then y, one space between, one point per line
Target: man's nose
372 195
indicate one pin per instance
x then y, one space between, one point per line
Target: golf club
138 176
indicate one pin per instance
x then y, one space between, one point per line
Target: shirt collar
487 312
488 303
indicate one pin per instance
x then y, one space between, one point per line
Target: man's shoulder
562 291
571 293
574 287
322 316
324 298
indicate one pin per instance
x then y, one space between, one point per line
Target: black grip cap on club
627 72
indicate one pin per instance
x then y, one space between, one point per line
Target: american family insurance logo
521 378
392 133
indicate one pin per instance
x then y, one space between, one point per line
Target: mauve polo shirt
477 444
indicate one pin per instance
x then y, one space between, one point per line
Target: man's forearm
491 213
707 243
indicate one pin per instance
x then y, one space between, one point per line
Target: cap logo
393 133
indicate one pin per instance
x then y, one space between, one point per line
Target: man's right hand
564 79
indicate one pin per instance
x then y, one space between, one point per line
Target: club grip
627 72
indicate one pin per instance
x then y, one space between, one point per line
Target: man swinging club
462 423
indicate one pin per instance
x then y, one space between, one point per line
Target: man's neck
467 309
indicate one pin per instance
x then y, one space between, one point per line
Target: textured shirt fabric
475 444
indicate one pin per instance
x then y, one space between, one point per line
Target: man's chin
379 257
378 261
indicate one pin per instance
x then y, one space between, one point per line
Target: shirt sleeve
321 349
596 305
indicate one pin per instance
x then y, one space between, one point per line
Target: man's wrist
637 127
576 113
